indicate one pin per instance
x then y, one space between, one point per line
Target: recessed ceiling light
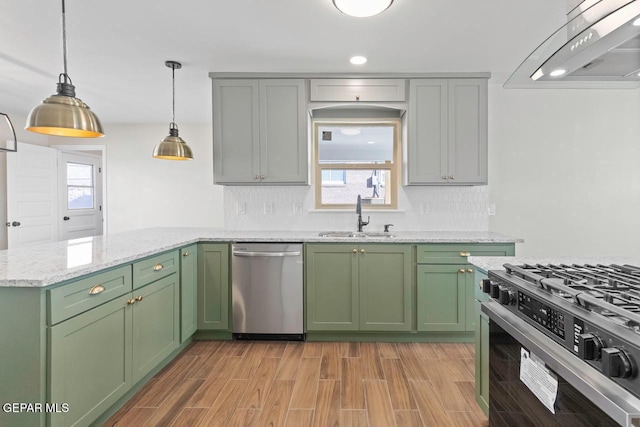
557 72
358 60
350 131
636 23
371 142
362 8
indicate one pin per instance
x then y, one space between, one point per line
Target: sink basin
338 234
353 234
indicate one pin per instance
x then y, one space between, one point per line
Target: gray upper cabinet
259 131
365 90
447 132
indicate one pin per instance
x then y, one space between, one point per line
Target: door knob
15 224
66 218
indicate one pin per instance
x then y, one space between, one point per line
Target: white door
32 210
80 195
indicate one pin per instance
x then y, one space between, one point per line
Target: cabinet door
363 90
213 286
332 287
90 362
188 291
385 287
468 131
156 331
482 358
428 131
236 138
283 131
441 297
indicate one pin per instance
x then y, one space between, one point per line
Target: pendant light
173 147
362 8
63 114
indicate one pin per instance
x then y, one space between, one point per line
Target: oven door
585 397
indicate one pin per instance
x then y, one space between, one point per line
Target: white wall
564 170
142 191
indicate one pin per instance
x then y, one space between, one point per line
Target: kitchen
561 171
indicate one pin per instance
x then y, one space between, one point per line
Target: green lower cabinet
482 359
385 287
90 362
155 324
332 287
354 287
213 286
441 297
188 291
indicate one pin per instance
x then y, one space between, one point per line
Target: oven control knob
486 286
507 297
495 291
616 363
590 347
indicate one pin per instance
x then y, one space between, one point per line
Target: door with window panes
357 157
80 195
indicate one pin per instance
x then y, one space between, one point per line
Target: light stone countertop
484 264
46 264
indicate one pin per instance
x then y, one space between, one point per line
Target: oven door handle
268 254
614 400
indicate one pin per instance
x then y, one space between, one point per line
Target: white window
356 157
80 186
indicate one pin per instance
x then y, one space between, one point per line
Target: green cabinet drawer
457 253
84 294
154 268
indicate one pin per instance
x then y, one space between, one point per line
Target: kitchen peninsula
91 320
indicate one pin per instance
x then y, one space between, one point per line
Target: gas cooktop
591 310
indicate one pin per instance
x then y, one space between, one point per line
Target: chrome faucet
361 223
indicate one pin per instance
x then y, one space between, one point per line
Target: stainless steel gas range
580 325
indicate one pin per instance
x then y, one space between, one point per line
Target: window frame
394 168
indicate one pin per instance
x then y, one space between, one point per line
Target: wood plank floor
260 383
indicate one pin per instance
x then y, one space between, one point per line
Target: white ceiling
117 48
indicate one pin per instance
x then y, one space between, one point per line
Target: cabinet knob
469 270
444 177
185 254
355 251
139 298
465 254
362 251
158 267
256 177
461 270
95 290
262 177
452 177
357 97
131 301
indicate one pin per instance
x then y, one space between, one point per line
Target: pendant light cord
64 42
173 96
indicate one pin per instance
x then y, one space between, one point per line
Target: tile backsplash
419 208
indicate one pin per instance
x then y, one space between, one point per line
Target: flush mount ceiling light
358 60
350 131
63 114
362 8
173 147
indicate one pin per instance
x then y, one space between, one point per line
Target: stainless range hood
599 47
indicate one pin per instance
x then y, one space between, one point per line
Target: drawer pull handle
131 301
158 267
464 254
185 254
469 270
97 289
461 270
138 298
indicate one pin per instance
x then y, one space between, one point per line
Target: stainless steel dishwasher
267 291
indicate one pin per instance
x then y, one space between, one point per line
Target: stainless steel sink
338 234
352 234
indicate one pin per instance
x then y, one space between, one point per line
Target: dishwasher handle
265 254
